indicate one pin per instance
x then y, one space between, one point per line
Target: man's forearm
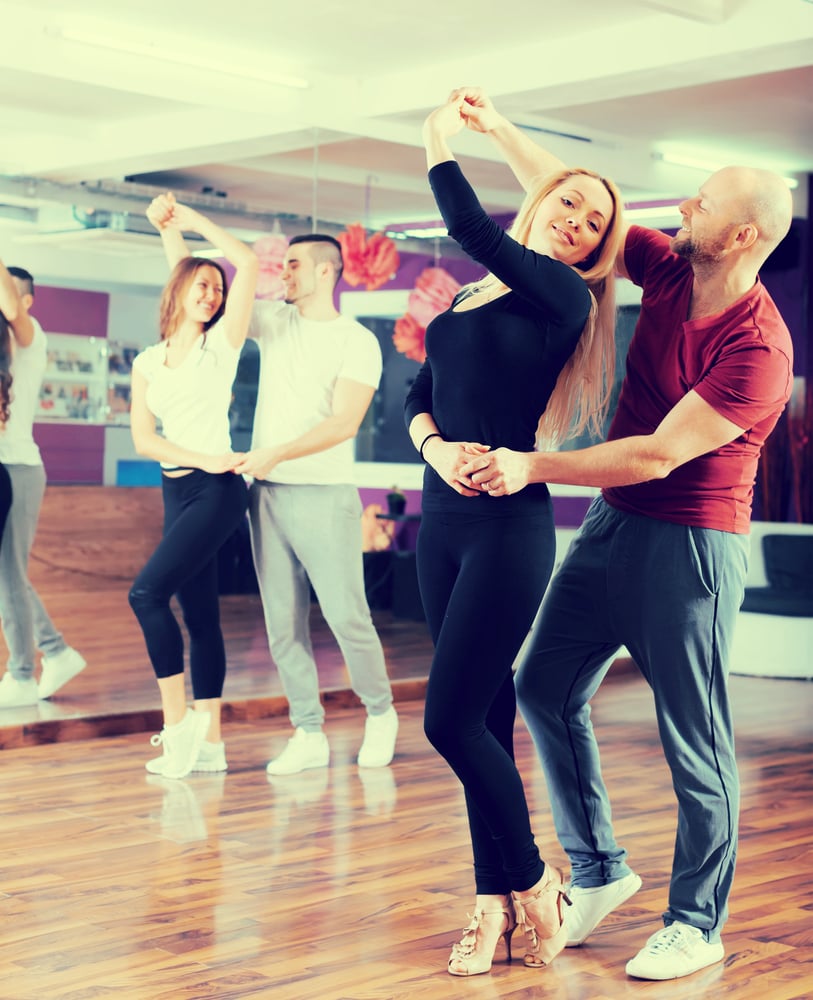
327 434
613 463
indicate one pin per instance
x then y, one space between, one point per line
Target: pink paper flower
271 252
433 292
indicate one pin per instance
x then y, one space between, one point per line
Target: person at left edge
185 382
27 626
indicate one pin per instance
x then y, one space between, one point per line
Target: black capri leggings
482 579
201 511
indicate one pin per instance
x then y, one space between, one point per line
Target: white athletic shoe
302 751
58 670
211 758
181 742
17 694
590 906
675 951
380 732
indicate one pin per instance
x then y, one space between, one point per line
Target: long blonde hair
582 392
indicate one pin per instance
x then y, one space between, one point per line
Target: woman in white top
185 382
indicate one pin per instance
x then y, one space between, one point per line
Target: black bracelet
434 434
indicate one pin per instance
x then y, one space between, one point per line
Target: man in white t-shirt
26 624
318 373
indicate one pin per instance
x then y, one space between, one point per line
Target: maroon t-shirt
739 361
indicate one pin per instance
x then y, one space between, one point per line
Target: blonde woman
185 382
524 353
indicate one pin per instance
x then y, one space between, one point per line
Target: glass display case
87 380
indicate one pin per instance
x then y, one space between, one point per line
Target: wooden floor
341 883
345 884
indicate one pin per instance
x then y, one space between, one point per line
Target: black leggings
5 497
482 579
201 511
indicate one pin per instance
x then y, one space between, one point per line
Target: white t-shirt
17 444
192 401
300 361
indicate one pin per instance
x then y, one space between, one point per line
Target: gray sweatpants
26 624
314 532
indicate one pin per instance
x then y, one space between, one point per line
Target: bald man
659 564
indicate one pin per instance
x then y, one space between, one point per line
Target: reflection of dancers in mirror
526 351
27 626
185 382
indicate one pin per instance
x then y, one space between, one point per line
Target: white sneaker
58 670
379 739
181 742
211 757
590 906
303 750
677 950
17 694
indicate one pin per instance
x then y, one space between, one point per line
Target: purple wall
69 310
568 512
71 453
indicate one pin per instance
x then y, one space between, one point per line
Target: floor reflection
188 805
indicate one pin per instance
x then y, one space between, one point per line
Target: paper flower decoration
270 252
371 262
433 292
409 338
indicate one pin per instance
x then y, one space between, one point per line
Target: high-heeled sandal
542 948
467 954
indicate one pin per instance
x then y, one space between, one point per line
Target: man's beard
696 254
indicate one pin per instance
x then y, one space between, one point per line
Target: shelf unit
86 381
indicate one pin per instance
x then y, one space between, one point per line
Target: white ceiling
629 80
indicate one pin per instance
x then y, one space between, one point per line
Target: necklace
489 290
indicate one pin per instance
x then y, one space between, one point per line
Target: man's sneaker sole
283 770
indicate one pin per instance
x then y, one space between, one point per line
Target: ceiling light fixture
181 58
430 232
678 160
652 212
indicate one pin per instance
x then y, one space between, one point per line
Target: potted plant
396 502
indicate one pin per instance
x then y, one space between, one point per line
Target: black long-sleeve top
489 371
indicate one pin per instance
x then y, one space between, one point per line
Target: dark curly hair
5 370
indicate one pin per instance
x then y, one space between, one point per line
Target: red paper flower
369 262
409 338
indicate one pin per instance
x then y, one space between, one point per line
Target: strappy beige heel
474 953
539 914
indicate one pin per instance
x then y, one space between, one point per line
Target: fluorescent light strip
429 233
181 58
678 160
653 212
